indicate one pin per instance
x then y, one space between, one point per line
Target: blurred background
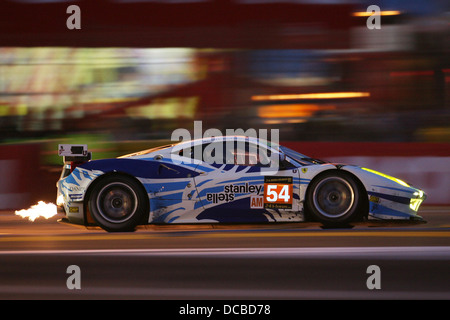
137 70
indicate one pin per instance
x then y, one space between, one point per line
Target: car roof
190 143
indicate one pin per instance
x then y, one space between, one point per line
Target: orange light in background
311 96
373 13
281 121
291 110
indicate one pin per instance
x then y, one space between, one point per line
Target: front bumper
393 206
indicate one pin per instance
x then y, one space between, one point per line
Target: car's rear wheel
334 198
117 203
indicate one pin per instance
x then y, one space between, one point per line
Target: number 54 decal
278 192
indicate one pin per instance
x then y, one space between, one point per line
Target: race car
231 179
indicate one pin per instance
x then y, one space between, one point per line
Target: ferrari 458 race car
230 180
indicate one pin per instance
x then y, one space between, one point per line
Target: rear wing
74 152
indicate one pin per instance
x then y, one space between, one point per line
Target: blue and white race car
226 179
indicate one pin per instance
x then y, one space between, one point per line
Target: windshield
301 158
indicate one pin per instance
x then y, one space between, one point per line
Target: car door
235 189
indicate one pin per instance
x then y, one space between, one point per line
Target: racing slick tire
335 199
118 203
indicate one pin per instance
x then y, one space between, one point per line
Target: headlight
417 201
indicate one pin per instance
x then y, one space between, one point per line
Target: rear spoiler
74 152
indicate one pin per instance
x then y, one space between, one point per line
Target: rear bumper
70 204
75 213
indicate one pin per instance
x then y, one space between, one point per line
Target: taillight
74 164
69 167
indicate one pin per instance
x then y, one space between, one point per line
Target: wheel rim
117 202
333 197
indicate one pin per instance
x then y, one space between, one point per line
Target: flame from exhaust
42 209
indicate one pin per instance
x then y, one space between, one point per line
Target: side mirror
281 160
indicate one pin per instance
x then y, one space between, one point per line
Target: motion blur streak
41 209
323 95
381 13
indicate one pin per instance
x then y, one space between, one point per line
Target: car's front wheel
334 198
117 203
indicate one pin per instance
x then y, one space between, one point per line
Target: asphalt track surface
207 262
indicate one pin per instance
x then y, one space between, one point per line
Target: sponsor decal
219 197
74 209
256 202
76 188
278 192
246 188
230 190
